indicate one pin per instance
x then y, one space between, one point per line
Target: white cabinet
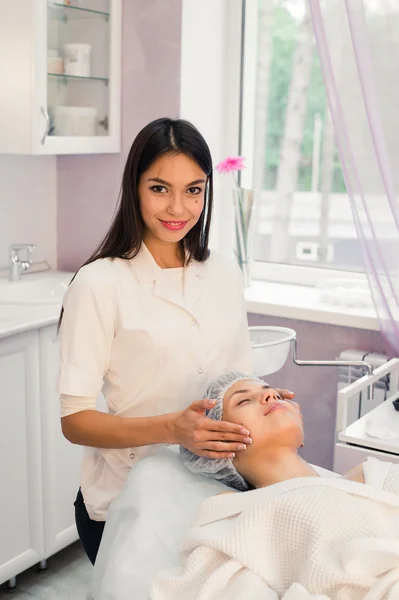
21 515
61 460
346 457
39 468
51 105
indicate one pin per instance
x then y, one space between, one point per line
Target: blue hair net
221 469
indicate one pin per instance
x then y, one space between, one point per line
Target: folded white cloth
306 538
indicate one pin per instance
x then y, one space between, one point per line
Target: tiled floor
67 578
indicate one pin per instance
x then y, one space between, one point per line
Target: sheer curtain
358 46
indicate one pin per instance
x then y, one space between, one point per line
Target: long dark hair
126 233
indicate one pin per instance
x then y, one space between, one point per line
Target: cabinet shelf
66 11
66 78
34 73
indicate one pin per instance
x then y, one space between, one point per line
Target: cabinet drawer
346 457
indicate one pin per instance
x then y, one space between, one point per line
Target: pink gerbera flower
230 164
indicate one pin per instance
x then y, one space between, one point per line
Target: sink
270 348
46 290
8 313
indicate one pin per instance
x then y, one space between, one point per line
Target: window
304 215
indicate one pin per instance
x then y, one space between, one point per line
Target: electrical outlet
311 252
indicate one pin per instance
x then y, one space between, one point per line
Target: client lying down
294 535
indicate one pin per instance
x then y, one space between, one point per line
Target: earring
302 445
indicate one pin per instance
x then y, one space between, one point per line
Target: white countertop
304 303
16 318
34 317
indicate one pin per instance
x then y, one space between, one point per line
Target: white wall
28 205
209 93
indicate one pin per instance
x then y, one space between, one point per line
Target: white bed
146 524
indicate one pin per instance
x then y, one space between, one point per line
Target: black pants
90 532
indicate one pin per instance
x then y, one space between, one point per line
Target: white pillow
147 523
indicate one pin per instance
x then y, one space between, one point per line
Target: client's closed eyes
243 401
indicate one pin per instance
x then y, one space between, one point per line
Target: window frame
266 270
300 275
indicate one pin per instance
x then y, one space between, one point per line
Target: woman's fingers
221 439
287 394
225 427
212 441
201 406
217 455
197 432
224 447
227 437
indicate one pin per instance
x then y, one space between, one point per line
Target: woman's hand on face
288 395
206 437
298 408
285 394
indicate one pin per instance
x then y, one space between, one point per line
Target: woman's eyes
161 189
243 401
194 191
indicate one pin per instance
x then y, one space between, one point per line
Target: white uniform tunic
151 340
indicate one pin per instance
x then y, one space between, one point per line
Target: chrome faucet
18 266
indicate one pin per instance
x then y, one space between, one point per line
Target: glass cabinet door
78 68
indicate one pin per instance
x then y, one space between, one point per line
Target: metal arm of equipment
333 363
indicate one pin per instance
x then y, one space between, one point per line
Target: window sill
303 303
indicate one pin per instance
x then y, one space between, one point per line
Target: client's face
271 421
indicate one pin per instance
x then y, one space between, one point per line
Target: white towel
306 538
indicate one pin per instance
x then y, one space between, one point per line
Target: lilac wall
315 387
88 186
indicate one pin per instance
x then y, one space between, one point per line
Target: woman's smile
174 225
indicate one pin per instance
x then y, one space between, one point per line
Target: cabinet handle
104 123
48 124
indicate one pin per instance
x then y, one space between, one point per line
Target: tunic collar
147 270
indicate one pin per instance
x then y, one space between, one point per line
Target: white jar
74 120
77 58
55 64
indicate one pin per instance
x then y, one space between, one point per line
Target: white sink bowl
8 313
45 290
270 348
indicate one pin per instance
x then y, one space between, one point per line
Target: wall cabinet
60 72
39 468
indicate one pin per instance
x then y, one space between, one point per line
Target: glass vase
244 205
